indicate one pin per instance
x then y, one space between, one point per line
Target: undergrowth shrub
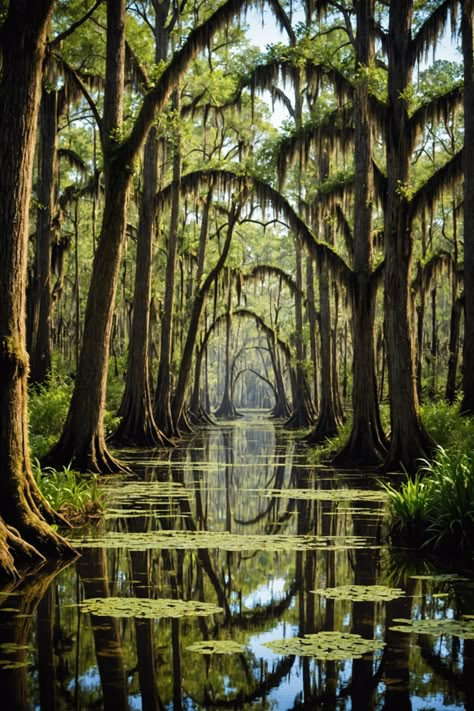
48 406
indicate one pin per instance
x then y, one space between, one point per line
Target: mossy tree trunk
83 437
366 444
25 534
303 409
328 420
467 30
198 306
40 353
163 413
408 440
138 426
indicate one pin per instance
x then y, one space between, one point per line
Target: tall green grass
436 508
76 496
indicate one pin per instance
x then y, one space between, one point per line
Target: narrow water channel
211 579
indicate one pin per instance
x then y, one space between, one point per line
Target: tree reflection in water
246 477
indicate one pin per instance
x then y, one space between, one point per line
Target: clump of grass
451 499
436 508
408 507
73 495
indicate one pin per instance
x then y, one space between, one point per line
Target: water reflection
236 518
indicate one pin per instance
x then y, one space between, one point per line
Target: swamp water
230 574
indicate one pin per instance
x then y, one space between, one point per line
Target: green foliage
451 499
70 493
408 507
447 426
436 508
47 406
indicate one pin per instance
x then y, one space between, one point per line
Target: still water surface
211 553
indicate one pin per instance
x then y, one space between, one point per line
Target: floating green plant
191 540
361 593
326 494
437 628
148 490
217 646
332 646
147 607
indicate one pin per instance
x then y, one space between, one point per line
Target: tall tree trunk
197 308
467 31
40 354
409 440
138 424
227 407
163 414
328 421
303 413
82 440
312 321
22 507
455 319
366 443
83 437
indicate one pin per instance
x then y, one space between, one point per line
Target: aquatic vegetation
451 500
147 607
331 646
437 628
408 506
361 593
436 507
217 646
71 493
326 494
222 540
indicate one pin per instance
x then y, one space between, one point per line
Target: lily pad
332 646
147 607
221 540
361 593
217 646
437 628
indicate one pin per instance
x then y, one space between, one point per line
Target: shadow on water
230 574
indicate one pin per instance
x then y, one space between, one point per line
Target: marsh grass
75 496
436 507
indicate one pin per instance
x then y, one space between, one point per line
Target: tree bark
138 425
40 354
83 439
163 414
409 440
366 445
303 413
25 536
227 408
328 421
197 308
467 31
